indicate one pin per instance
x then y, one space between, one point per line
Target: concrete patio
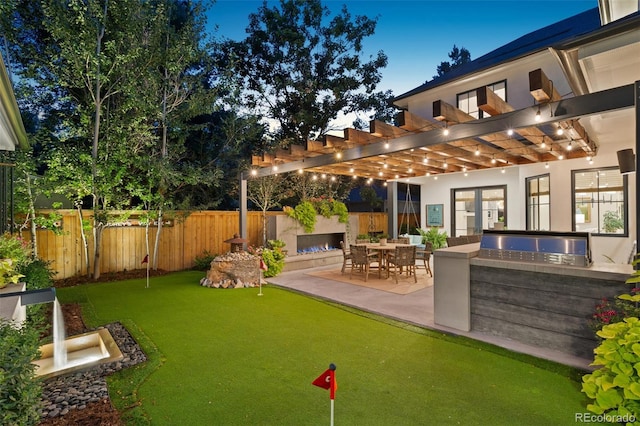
415 308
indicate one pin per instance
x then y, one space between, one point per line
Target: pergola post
243 206
635 215
392 208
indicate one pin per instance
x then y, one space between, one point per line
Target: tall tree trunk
97 226
32 214
83 234
264 227
156 246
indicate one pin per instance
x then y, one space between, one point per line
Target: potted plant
435 237
382 238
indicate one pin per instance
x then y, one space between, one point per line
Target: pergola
420 147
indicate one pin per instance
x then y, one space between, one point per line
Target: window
538 203
468 101
600 201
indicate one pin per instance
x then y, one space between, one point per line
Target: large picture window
600 201
538 203
468 101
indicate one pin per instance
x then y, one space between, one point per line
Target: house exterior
589 53
12 136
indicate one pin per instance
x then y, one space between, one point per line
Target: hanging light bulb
445 131
445 165
351 170
380 173
493 160
560 131
425 160
570 147
333 178
561 157
300 171
385 164
510 132
410 170
386 145
546 165
478 150
538 114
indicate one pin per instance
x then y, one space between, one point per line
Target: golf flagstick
146 260
263 267
327 380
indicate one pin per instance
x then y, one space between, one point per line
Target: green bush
20 391
274 259
38 275
435 237
203 262
338 208
304 213
615 388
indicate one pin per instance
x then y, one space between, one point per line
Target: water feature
64 354
59 336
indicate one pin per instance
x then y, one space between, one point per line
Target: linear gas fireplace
313 243
326 236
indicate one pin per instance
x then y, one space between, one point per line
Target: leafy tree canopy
301 67
458 56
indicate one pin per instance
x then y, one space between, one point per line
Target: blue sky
417 35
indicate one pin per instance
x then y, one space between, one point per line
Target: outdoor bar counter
540 304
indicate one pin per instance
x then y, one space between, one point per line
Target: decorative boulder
233 270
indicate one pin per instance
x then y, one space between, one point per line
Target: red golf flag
327 380
263 265
145 260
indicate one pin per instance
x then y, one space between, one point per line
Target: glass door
476 209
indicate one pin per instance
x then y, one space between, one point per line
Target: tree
125 77
458 57
266 193
301 69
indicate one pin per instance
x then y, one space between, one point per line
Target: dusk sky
417 35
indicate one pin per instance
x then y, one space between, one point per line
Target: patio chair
424 255
402 258
347 257
361 259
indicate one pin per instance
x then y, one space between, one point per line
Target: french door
475 209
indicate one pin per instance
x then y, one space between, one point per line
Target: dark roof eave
625 24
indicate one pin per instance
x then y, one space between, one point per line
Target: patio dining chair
347 257
424 256
403 258
361 259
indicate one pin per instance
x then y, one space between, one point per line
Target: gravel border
74 391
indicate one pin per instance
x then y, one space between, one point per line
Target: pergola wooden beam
543 91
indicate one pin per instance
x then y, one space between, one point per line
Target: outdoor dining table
383 250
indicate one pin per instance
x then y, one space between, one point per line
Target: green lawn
229 357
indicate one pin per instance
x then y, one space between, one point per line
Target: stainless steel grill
561 248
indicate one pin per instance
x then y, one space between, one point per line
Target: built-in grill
561 248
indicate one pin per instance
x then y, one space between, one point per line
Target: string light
478 150
300 171
445 165
493 159
380 173
445 131
560 131
386 145
570 147
275 168
510 132
425 160
385 164
546 165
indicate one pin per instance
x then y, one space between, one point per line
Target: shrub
20 391
274 259
304 213
435 237
203 262
615 388
338 208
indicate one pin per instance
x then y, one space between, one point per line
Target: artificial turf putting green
229 357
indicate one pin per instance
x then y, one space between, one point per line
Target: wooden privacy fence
184 236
